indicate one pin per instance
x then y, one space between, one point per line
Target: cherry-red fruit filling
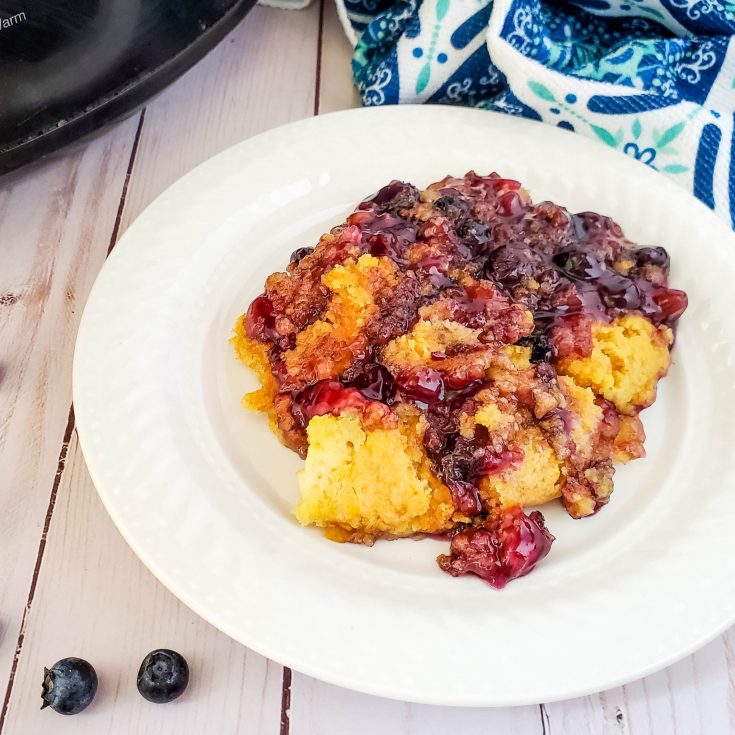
563 266
375 382
260 322
459 461
369 382
422 386
568 269
384 234
511 205
325 397
505 547
652 256
671 302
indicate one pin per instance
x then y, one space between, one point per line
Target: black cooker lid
70 67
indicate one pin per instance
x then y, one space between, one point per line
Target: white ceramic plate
202 490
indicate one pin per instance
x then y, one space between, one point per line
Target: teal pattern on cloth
654 79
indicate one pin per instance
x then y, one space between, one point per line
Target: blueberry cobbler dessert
448 358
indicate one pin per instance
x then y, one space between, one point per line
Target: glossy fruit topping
504 547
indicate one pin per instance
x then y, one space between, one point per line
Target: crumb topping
445 358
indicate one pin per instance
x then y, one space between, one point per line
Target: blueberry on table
163 676
69 686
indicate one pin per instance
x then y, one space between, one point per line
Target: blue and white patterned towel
654 79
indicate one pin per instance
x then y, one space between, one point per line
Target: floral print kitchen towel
654 79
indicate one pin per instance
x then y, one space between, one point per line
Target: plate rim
306 667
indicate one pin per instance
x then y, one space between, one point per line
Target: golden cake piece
584 415
535 480
369 483
327 347
628 358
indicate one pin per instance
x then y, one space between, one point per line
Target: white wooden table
69 585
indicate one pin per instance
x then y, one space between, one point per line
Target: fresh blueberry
163 676
69 686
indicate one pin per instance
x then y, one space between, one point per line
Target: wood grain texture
692 697
322 709
97 601
336 89
50 250
262 75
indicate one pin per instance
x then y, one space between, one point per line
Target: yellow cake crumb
367 481
427 337
328 345
628 357
629 441
492 418
418 400
532 482
255 355
502 423
519 355
587 414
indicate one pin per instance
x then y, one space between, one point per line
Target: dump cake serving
447 358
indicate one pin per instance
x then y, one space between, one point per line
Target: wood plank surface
322 709
97 601
336 90
262 75
50 250
692 697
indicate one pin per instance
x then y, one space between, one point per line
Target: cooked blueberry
473 232
300 253
453 208
69 686
619 292
578 264
652 256
163 676
395 195
591 226
540 345
509 266
375 382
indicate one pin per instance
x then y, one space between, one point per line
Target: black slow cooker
70 67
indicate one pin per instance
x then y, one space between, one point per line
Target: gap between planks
545 725
320 42
39 559
124 193
286 685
